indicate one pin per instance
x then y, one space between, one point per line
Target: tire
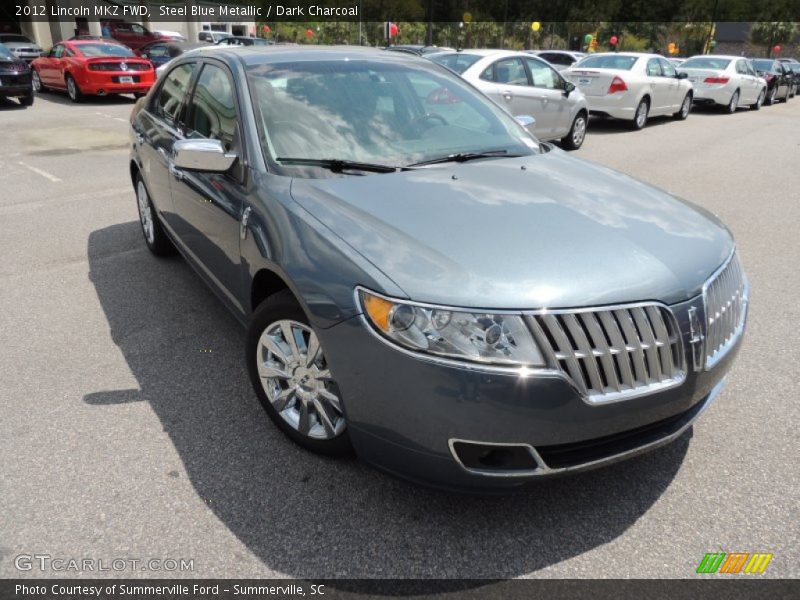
38 86
772 98
73 91
686 108
640 116
154 235
759 101
577 133
27 100
138 95
295 394
733 104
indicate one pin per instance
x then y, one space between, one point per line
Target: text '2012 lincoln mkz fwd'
423 281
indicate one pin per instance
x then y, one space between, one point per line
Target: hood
560 232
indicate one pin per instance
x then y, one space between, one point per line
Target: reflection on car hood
561 232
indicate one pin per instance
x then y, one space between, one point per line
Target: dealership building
75 19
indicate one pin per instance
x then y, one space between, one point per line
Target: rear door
208 206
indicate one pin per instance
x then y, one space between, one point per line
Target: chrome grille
725 296
613 353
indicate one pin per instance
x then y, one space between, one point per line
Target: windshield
706 62
105 50
763 65
456 62
374 111
607 61
11 37
6 53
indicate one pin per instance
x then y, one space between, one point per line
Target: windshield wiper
465 156
337 165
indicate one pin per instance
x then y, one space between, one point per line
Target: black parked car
794 66
779 82
242 40
15 78
162 51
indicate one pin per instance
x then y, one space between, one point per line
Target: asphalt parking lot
129 428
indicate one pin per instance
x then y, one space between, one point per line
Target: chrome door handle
507 94
175 171
139 138
243 224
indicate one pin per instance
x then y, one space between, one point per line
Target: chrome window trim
543 470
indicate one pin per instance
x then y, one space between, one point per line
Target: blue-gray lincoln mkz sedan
421 280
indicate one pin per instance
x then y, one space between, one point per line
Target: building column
192 30
95 29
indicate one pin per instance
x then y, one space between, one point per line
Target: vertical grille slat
724 295
616 353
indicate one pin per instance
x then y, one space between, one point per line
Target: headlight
458 334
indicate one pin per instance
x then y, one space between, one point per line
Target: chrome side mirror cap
203 155
525 120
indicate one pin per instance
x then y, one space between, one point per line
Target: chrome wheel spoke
330 398
304 423
324 418
270 344
324 375
282 400
312 351
288 334
271 371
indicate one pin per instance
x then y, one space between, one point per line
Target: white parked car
729 81
173 35
525 85
560 59
632 86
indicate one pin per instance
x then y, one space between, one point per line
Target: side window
157 51
543 75
751 70
58 51
510 71
653 68
173 91
212 109
741 67
667 68
138 29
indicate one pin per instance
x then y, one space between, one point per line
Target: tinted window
763 65
706 62
157 51
212 110
508 70
608 61
653 68
6 53
543 75
556 58
376 111
457 62
11 37
173 92
57 51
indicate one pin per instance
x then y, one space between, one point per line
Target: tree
772 32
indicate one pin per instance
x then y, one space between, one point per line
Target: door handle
243 224
140 139
175 171
507 94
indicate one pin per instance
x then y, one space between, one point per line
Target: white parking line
44 174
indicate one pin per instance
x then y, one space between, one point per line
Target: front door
506 82
556 109
676 93
208 206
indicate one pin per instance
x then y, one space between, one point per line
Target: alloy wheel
37 83
641 114
773 95
734 102
72 91
145 213
578 131
686 107
297 381
760 100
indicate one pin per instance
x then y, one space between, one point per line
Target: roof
257 55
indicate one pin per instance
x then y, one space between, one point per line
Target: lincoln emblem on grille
696 338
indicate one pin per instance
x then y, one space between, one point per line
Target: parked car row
342 202
631 86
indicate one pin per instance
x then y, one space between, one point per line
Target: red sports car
90 67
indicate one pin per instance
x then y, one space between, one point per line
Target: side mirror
569 87
680 75
525 120
203 155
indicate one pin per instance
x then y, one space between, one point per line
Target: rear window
456 62
706 62
608 61
100 49
764 65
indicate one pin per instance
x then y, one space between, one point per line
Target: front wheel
292 378
154 235
73 91
733 104
759 101
686 107
640 117
577 133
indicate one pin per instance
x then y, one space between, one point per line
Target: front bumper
404 413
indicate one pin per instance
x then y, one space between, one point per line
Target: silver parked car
729 81
21 46
632 86
526 85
